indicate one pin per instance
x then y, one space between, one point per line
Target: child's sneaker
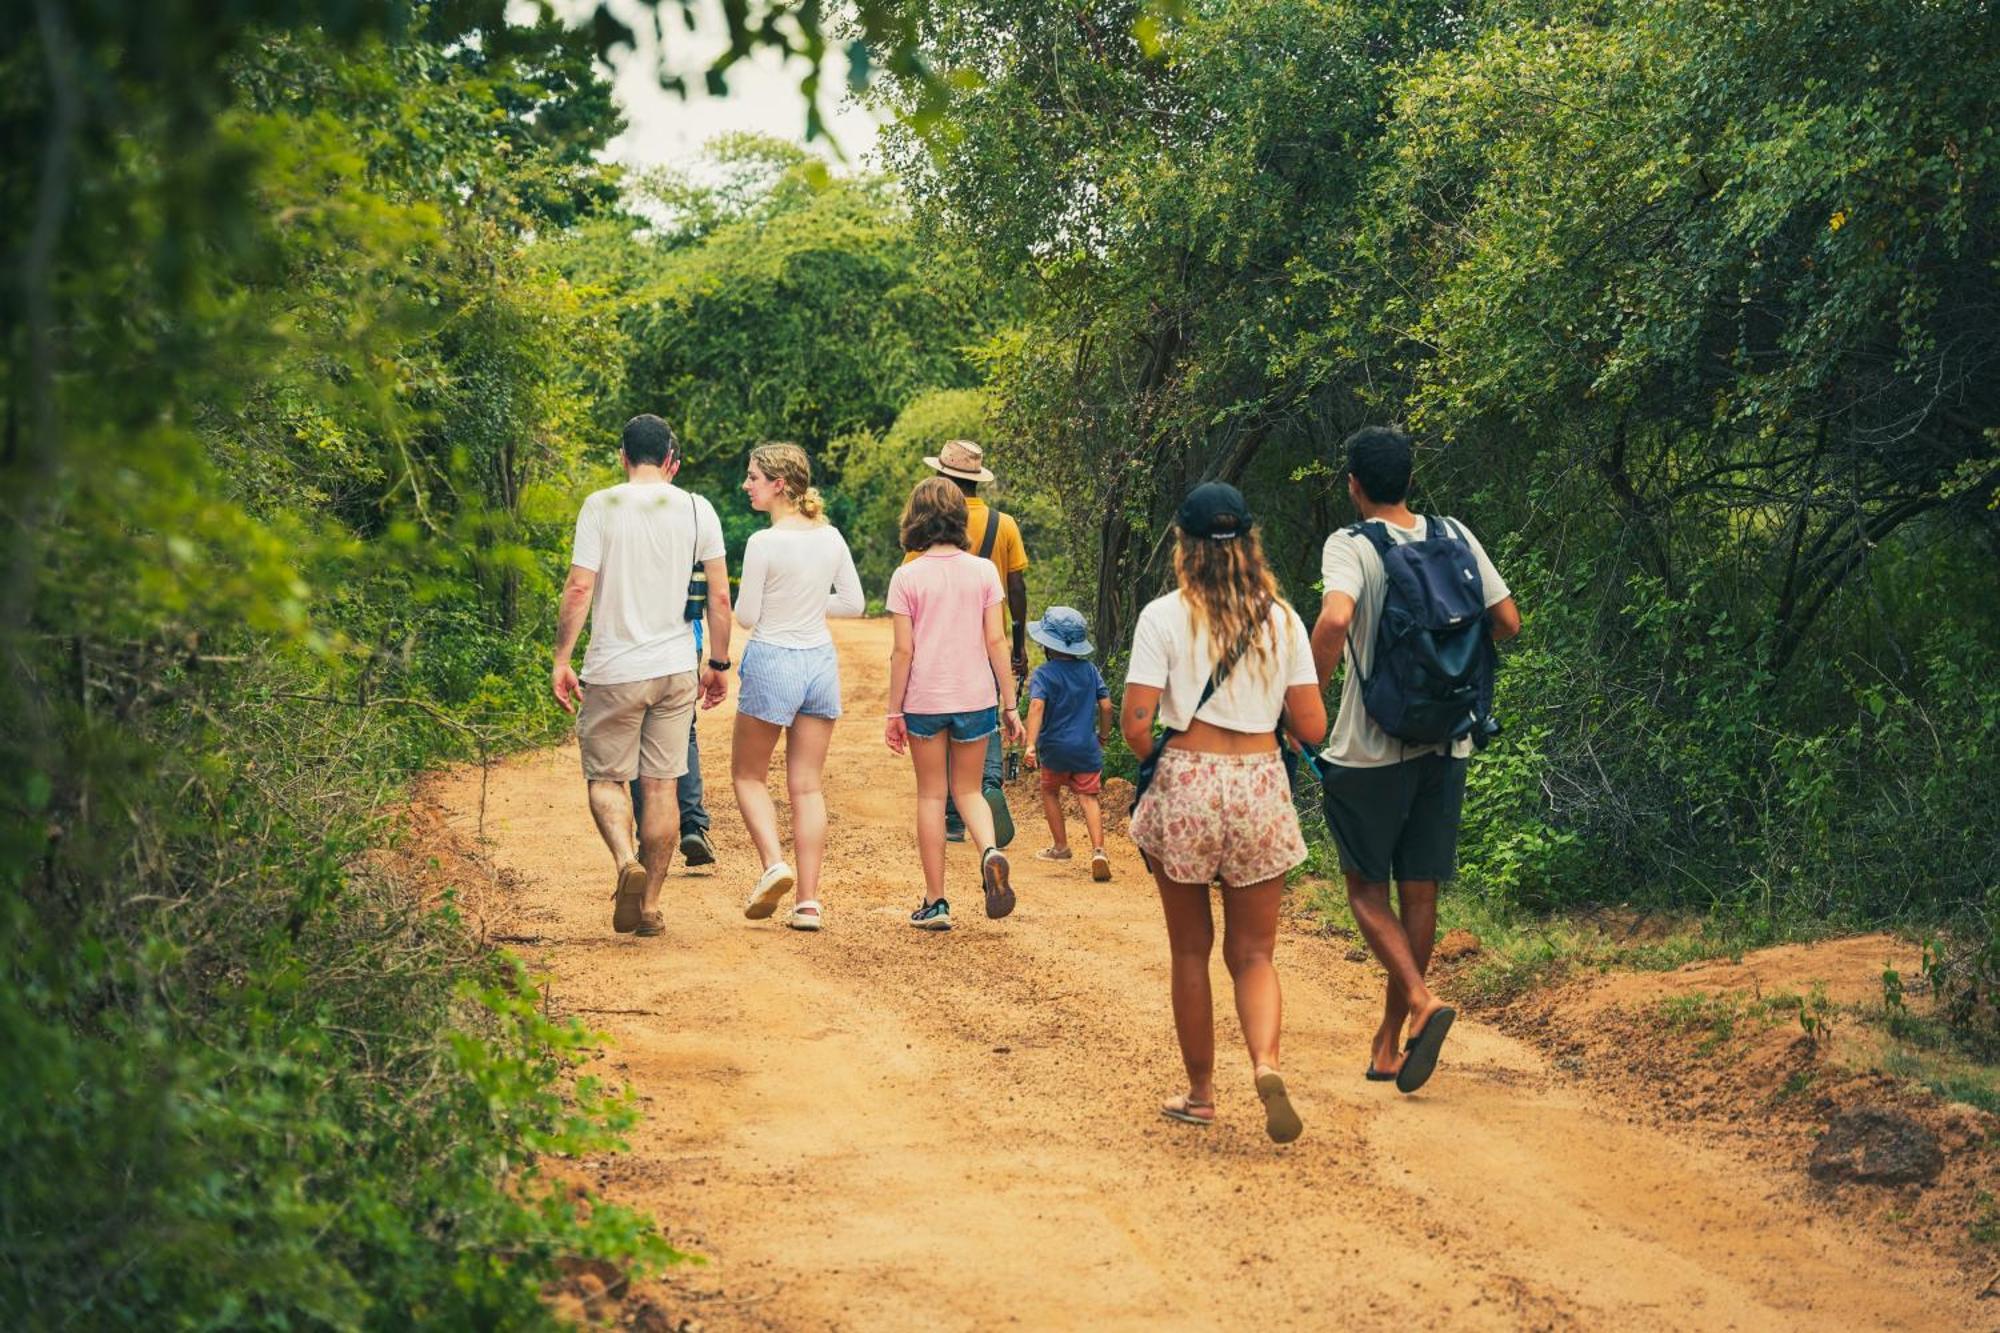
993 878
932 916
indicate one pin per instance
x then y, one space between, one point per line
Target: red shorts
1083 784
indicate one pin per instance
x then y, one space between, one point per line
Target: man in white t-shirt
1393 808
637 547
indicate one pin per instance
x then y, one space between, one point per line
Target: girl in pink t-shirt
947 679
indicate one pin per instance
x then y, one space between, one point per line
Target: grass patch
1519 953
1985 1228
1713 1016
1951 1077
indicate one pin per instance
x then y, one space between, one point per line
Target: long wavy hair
788 465
1229 588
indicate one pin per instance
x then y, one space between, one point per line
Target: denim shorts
973 726
781 683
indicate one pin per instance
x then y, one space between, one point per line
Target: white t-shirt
1350 564
787 573
643 539
1171 652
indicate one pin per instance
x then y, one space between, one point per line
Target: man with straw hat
997 537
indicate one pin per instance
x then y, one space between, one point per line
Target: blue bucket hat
1063 629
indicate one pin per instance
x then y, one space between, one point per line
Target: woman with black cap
1222 661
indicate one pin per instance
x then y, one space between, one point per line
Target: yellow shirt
1010 554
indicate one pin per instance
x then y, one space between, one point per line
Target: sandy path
880 1128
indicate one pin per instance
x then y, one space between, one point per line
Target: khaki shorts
639 728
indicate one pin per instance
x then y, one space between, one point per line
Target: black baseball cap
1214 509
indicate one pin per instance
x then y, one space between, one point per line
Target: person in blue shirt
1069 719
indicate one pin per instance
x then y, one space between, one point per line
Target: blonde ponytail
789 465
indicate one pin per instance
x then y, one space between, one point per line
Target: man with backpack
996 537
1414 606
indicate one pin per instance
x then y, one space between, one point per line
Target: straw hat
962 459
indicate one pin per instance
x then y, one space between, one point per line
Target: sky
668 130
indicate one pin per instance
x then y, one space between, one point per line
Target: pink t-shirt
945 594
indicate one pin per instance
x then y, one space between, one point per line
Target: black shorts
1398 821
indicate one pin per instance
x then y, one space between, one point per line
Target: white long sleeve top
793 579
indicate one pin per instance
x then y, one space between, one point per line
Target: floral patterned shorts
1219 816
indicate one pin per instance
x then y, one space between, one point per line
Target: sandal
1100 866
1281 1122
1184 1109
1053 854
805 915
629 898
1420 1057
650 923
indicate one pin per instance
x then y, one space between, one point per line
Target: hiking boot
696 849
932 916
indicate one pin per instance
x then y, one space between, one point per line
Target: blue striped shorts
781 683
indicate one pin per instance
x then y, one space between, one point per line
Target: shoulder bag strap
992 533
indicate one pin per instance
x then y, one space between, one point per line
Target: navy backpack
1434 655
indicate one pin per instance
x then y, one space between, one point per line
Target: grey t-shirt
1350 564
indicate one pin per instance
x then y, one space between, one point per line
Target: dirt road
878 1128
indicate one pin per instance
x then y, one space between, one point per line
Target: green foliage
765 299
877 472
1689 305
289 393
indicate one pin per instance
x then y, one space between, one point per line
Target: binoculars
697 601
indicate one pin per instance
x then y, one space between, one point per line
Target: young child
1069 718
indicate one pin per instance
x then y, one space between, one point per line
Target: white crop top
1169 652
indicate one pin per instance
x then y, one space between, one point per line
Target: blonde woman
951 687
796 573
1221 661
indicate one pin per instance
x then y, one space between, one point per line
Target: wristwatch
722 665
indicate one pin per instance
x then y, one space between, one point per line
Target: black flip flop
1421 1056
1375 1075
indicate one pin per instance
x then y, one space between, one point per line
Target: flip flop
1281 1122
629 898
1375 1075
1182 1108
1420 1057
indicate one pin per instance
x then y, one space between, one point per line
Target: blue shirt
1069 692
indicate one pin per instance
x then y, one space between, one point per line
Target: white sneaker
776 883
